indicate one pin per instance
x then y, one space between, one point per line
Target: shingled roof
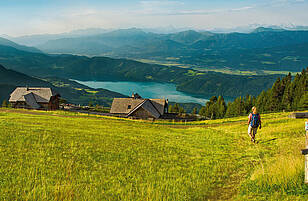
40 95
124 105
31 101
128 106
148 106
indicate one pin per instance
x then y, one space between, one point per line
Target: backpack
255 120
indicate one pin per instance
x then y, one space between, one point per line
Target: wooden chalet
34 98
138 107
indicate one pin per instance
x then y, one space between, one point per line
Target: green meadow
69 156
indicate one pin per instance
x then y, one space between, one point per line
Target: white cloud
155 13
179 8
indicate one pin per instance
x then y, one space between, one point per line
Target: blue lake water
147 90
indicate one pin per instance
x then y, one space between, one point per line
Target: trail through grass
67 156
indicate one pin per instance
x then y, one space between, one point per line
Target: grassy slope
63 156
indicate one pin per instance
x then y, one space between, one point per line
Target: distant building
138 107
34 98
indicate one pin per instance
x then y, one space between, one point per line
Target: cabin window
129 107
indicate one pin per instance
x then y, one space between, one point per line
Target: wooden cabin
34 98
138 107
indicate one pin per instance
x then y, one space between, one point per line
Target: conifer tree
202 111
261 101
221 107
303 103
299 88
287 98
229 110
274 103
236 108
170 109
249 102
176 108
210 109
4 103
195 111
181 110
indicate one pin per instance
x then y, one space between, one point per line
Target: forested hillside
285 95
7 42
107 69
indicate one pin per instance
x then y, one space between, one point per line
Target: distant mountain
106 69
190 36
251 27
38 39
72 91
196 49
267 29
7 42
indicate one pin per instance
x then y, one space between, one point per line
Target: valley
151 100
197 83
260 50
147 89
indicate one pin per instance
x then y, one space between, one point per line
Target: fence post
305 152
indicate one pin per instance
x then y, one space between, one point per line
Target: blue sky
19 17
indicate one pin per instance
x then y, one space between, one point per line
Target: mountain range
84 68
37 39
263 49
10 43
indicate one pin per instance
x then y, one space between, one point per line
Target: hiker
254 121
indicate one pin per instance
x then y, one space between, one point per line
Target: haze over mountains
184 54
7 42
108 69
262 49
38 39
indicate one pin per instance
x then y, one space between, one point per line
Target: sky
26 17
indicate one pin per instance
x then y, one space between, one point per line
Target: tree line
285 95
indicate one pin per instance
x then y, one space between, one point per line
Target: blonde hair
254 110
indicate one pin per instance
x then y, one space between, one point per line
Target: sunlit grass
60 155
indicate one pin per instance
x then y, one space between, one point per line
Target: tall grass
64 156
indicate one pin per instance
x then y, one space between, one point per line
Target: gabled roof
124 105
30 100
128 106
159 104
148 106
41 95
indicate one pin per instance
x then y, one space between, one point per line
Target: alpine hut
34 98
138 107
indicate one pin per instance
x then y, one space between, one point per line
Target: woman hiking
254 121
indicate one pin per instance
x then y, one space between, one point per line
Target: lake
147 90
